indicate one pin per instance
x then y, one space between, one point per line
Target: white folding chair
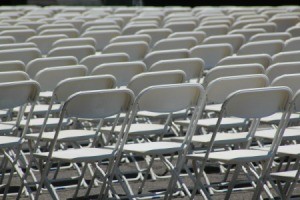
156 34
235 40
12 66
69 32
96 104
131 38
198 35
250 104
269 47
247 33
181 26
269 27
24 55
66 42
292 44
174 43
284 22
270 36
78 52
280 69
290 56
213 30
19 35
184 96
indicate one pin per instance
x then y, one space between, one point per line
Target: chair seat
7 126
284 176
153 148
64 135
213 107
291 133
79 155
41 109
221 138
275 118
47 94
139 129
211 123
3 113
181 113
38 122
234 156
9 141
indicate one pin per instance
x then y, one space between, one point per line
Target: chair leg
80 180
140 190
233 181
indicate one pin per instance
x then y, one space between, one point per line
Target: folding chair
31 24
89 24
262 59
239 24
175 43
284 22
192 67
211 54
193 97
77 23
78 52
269 47
181 26
123 71
93 61
294 31
252 104
34 66
156 56
7 40
97 104
54 27
131 29
235 40
17 46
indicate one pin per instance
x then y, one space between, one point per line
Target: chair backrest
285 22
7 40
78 52
70 86
13 76
235 40
269 47
17 46
69 32
24 55
44 42
212 30
74 42
262 59
247 33
135 50
34 66
93 61
122 71
102 37
181 26
19 35
133 28
270 36
269 27
89 24
155 34
292 44
232 70
54 26
12 66
193 67
156 56
257 103
27 92
141 81
48 78
218 90
211 54
289 80
294 31
175 43
290 56
279 69
131 38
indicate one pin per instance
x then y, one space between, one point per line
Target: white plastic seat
134 28
290 56
283 68
198 35
69 32
19 35
12 66
247 33
181 26
66 42
269 27
213 30
269 47
24 55
285 22
292 44
131 38
156 34
174 43
235 40
262 59
270 36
